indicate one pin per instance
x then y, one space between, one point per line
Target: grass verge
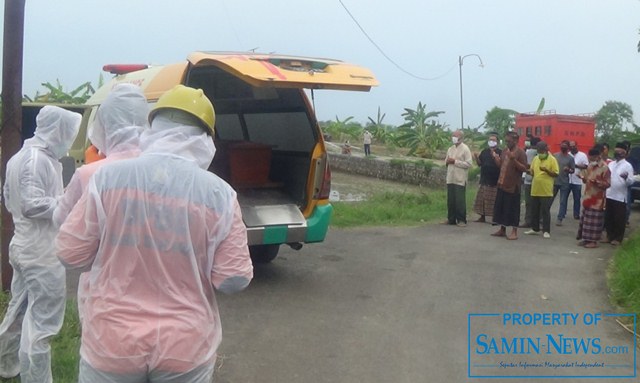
624 276
395 209
65 347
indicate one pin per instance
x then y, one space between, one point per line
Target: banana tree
344 129
380 131
421 133
57 94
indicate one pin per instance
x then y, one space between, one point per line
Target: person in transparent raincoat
159 234
33 185
116 133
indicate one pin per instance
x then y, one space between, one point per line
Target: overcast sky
575 53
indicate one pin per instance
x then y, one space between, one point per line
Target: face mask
543 156
593 163
454 140
492 144
527 143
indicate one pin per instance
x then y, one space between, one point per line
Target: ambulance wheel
263 253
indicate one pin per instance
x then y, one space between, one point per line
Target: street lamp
460 61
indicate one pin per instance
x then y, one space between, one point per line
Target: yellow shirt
542 183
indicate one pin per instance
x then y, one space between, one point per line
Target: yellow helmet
190 100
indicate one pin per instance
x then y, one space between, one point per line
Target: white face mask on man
492 144
454 140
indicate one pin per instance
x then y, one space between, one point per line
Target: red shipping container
555 128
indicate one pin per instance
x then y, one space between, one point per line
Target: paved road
392 304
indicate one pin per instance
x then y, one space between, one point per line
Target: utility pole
10 139
460 62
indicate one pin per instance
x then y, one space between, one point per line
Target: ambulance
270 148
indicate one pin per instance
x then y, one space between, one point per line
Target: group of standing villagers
500 175
153 231
603 204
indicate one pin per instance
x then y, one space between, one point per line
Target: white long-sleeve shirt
457 173
580 159
618 189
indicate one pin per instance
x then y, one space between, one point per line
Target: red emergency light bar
123 68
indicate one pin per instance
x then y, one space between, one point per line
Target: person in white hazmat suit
33 184
159 234
116 133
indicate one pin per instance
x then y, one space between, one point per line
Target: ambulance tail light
325 186
123 68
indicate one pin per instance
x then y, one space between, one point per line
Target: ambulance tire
263 253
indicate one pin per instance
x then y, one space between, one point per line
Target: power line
387 56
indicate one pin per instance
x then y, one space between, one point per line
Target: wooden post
10 140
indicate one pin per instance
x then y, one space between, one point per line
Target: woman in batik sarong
596 178
489 173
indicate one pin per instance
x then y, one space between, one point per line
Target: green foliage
474 174
474 138
57 94
427 165
342 130
381 132
421 133
499 120
65 354
632 137
613 120
540 106
66 346
390 209
624 276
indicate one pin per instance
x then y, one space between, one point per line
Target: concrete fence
425 173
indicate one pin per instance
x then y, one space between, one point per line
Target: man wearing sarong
507 208
487 160
596 178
